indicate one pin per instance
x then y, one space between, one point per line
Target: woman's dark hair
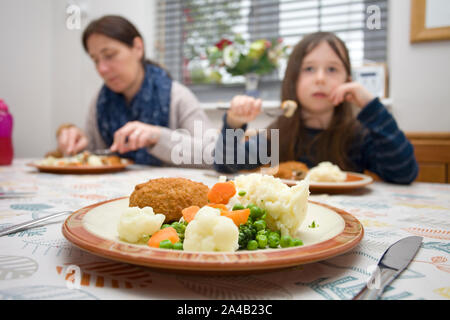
117 28
333 143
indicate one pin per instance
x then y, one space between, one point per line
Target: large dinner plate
94 229
353 181
80 169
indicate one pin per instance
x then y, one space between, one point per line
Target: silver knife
394 260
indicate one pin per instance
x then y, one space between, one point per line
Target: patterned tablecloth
36 263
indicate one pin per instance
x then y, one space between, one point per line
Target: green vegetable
256 212
177 246
165 225
286 241
260 225
242 193
313 225
166 244
247 232
297 242
252 245
273 240
238 206
262 241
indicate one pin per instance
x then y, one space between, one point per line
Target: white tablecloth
37 263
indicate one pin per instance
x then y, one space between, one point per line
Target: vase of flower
251 84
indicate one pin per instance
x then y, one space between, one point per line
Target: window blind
185 28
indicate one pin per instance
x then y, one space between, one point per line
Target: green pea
252 245
238 206
166 244
165 226
242 193
274 234
262 241
273 241
250 205
263 232
178 246
297 242
286 241
260 225
255 212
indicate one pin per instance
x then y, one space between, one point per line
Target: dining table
39 262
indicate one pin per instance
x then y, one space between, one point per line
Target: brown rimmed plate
94 229
353 181
80 169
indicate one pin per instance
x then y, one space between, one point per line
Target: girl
324 128
139 106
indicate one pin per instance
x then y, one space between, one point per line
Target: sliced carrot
168 233
222 192
189 213
238 216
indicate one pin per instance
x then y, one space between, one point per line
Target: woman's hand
135 135
243 109
71 140
352 92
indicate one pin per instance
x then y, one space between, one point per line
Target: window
186 28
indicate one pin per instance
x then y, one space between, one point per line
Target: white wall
46 78
419 75
26 71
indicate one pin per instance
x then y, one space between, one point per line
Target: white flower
230 56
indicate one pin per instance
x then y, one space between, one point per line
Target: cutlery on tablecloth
28 224
394 260
13 194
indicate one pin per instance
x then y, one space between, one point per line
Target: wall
419 75
26 71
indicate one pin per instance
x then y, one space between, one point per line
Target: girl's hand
243 109
352 92
135 135
71 140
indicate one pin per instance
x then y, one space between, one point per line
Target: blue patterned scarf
150 105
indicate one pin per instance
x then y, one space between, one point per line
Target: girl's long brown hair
117 28
333 143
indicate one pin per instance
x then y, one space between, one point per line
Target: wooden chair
432 151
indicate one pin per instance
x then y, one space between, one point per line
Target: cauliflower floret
209 231
286 206
326 172
94 160
136 223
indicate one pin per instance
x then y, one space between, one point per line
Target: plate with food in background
325 177
82 163
253 223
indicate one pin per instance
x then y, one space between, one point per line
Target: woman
139 107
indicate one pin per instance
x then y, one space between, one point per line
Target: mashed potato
209 231
327 172
136 223
286 206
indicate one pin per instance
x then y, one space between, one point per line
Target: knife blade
394 260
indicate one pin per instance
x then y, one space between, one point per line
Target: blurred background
46 78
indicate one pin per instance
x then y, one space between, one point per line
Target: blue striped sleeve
386 151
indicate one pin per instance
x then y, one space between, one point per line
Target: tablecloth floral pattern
39 263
